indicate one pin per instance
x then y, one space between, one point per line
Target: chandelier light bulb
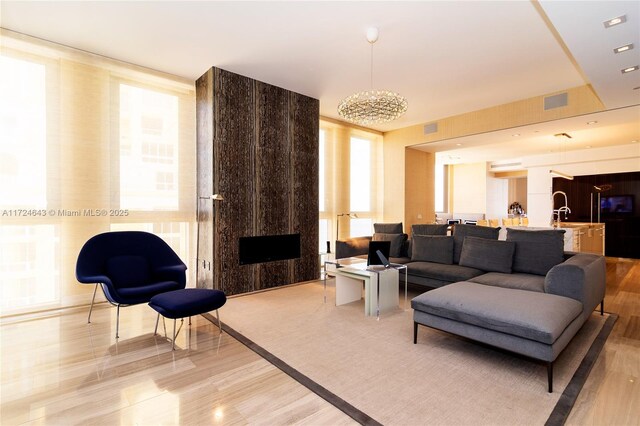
372 35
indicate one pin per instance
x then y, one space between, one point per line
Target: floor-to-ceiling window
87 145
351 182
149 142
29 235
360 180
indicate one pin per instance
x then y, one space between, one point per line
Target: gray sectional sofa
525 294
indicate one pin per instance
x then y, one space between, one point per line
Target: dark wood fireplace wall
258 147
622 230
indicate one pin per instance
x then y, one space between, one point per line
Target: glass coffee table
380 284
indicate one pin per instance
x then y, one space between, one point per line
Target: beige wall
394 172
419 178
497 197
469 189
408 182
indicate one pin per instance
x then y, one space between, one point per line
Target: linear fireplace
269 248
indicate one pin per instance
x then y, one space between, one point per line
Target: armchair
130 266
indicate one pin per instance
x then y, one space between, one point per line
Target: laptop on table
374 246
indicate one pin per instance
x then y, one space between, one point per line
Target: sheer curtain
87 145
351 180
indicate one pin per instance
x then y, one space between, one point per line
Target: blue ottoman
185 303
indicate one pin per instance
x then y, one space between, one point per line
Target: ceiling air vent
430 128
555 101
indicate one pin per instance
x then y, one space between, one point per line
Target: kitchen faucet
558 211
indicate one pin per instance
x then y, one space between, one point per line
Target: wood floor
611 395
63 371
59 370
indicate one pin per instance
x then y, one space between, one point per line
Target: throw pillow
432 248
388 228
429 229
397 240
487 255
536 251
461 231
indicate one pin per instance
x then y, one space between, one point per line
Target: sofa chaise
525 294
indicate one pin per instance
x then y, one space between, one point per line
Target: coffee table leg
324 281
378 297
405 289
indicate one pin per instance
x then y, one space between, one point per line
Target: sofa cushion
429 229
442 272
536 251
426 229
539 317
399 260
462 231
397 241
488 255
432 248
518 281
388 228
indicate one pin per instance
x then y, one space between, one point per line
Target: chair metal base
117 321
95 289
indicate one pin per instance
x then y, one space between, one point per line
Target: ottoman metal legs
185 303
173 345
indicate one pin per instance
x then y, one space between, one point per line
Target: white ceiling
446 58
581 27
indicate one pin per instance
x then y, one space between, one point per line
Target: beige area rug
374 365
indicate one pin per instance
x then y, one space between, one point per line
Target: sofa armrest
581 277
352 247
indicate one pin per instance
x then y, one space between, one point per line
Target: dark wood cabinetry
622 227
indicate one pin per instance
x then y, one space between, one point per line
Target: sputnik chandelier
372 106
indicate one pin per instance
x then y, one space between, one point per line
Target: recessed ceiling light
615 21
458 144
623 48
591 122
630 69
516 134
